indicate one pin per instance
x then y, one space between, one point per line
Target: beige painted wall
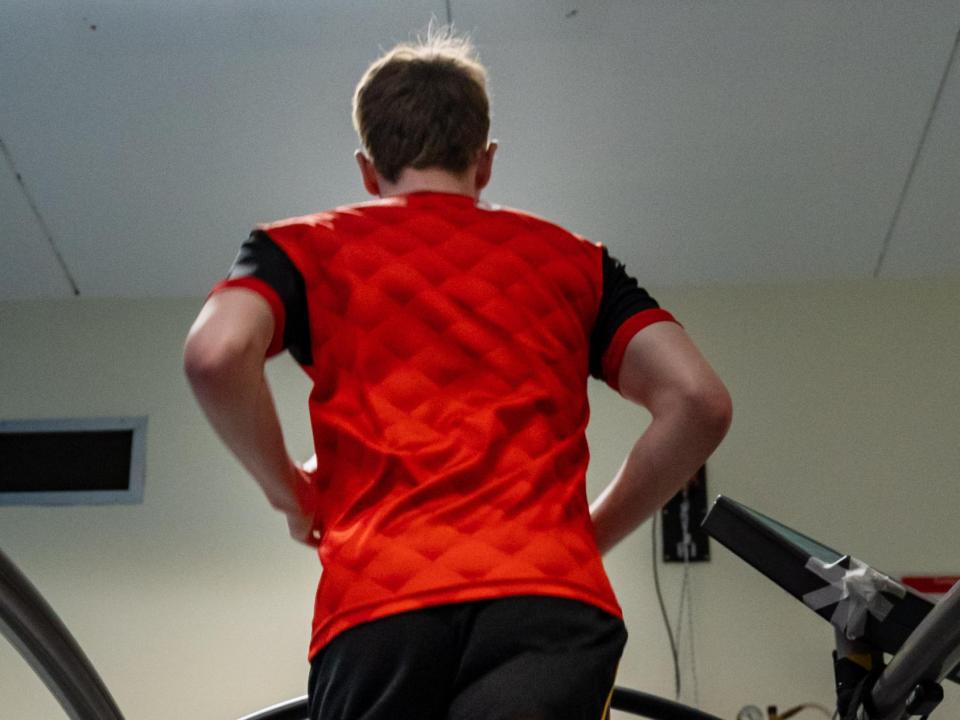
195 605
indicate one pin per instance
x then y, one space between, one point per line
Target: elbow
699 407
208 361
201 366
709 406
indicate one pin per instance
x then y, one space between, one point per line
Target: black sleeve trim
622 299
263 259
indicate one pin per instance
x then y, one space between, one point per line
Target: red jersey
449 345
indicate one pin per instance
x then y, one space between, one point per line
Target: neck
431 180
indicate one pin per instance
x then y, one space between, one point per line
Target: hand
302 530
302 522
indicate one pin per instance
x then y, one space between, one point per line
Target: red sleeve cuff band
273 300
613 357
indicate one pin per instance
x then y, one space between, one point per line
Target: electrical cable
693 650
686 596
679 626
678 633
663 610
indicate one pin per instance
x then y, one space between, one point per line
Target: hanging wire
692 638
686 599
683 596
663 610
686 592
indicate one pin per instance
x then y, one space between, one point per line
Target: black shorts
521 658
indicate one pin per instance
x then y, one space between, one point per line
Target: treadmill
873 615
41 638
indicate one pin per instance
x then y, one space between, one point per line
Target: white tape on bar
857 592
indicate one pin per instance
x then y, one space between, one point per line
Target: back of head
423 105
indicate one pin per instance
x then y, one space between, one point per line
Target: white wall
195 605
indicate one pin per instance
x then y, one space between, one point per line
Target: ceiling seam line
36 213
916 158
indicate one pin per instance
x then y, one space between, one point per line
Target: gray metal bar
930 653
34 629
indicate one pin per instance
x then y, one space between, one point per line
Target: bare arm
224 361
691 410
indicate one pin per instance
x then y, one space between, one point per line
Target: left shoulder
542 226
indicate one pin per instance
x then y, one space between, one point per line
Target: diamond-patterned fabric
450 349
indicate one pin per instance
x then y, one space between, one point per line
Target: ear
485 165
368 172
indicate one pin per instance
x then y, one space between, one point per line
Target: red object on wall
930 584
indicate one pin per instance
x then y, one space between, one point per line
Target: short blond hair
424 104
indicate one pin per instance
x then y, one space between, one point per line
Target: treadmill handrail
929 654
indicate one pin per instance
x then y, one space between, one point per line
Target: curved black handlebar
652 706
630 701
34 629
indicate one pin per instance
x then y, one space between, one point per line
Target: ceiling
745 141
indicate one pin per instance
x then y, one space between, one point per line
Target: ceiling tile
28 266
763 141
